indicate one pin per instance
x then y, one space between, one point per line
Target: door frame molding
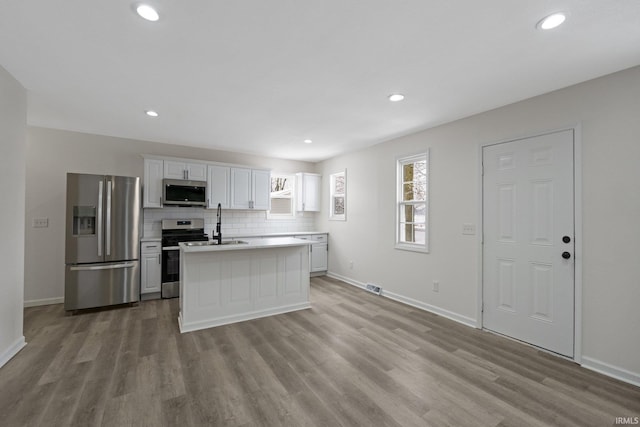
577 209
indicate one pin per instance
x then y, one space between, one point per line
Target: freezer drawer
98 285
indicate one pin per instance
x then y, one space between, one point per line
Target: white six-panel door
528 240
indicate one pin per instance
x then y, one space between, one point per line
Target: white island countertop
265 243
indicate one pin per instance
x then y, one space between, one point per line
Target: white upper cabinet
232 187
218 186
185 170
197 171
308 192
250 189
153 174
240 188
261 187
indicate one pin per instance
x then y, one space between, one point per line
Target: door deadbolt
566 239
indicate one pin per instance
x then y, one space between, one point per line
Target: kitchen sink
232 242
215 243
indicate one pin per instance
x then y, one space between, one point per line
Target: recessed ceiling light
552 21
151 113
147 12
307 141
396 97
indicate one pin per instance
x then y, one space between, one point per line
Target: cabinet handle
185 174
159 258
250 204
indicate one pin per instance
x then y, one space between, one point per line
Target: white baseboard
467 321
611 371
12 350
45 301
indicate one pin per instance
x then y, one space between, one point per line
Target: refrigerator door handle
100 188
102 267
108 230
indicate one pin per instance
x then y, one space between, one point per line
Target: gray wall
13 123
53 153
608 109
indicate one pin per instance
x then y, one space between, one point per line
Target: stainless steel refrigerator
103 231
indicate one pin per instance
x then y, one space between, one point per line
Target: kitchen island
241 280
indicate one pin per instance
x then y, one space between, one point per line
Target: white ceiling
260 76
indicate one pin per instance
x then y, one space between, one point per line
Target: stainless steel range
175 231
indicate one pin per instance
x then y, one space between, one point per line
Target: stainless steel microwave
178 192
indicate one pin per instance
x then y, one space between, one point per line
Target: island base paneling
222 287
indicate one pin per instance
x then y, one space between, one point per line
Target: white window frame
292 215
332 194
400 203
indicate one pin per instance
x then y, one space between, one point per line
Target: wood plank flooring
354 359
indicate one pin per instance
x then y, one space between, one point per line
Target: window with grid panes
412 206
282 196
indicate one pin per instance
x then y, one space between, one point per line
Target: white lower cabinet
150 267
318 252
319 257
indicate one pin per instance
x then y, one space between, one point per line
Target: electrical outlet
40 222
436 286
469 229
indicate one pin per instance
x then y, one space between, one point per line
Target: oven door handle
171 248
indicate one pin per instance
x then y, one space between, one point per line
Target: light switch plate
469 229
40 222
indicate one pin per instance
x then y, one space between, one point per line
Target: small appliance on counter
175 231
102 264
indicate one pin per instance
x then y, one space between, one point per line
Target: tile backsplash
234 222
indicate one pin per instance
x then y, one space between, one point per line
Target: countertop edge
298 233
262 244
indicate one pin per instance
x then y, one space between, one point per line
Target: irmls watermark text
627 421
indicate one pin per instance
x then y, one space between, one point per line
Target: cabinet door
240 188
300 192
312 192
319 252
196 171
174 169
261 185
218 185
151 272
153 173
308 192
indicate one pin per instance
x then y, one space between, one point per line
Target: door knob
566 255
566 239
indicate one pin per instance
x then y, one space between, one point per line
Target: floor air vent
374 288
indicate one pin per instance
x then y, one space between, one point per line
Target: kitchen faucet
219 225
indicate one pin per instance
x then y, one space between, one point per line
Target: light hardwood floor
354 359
